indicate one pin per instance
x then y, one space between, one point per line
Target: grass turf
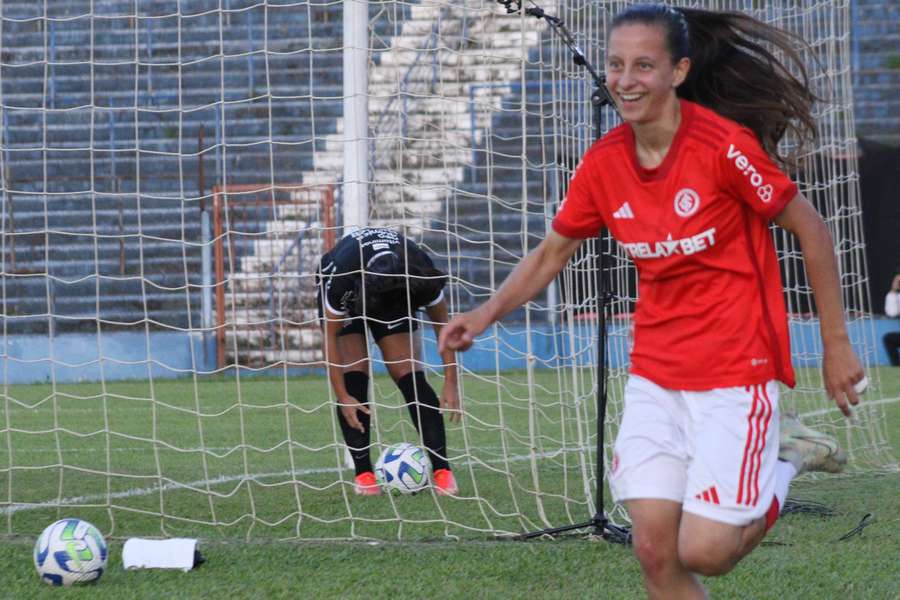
800 559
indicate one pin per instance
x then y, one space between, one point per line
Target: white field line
146 491
863 403
69 451
209 449
224 449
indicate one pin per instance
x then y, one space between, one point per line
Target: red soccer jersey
710 310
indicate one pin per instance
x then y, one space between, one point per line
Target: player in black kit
376 279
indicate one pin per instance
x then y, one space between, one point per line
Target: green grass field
259 489
261 460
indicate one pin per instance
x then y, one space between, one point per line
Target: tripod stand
600 97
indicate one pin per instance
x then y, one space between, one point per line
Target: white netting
171 172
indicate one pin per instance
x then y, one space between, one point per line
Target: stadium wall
69 358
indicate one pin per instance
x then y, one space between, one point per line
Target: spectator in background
892 309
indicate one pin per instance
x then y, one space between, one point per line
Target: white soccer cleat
808 449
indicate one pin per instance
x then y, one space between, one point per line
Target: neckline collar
659 172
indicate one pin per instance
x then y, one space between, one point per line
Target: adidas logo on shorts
709 495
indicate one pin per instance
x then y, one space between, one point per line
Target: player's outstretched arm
529 277
349 405
840 367
439 315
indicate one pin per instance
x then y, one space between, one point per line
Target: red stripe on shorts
768 412
751 434
754 454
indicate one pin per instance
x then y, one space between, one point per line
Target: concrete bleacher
875 40
431 100
102 189
510 177
102 112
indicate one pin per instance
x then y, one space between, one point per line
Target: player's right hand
349 408
841 373
460 333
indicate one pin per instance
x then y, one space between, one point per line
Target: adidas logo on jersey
709 495
624 212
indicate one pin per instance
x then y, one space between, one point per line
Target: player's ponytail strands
735 72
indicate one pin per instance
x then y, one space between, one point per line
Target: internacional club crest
687 202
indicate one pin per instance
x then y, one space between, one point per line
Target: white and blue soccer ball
70 551
403 468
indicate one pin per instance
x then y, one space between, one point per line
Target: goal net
171 172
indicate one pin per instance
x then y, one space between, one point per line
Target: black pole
599 98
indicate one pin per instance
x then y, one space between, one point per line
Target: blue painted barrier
127 355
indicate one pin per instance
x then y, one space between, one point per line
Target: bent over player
688 186
375 280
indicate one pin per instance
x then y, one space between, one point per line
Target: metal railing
258 229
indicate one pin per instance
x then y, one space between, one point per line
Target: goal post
474 124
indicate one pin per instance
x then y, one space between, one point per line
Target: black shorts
400 322
379 329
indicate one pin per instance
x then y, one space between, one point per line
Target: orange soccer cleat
365 485
445 482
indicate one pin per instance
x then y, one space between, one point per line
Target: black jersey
342 267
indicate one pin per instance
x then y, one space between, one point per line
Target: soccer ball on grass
70 551
403 468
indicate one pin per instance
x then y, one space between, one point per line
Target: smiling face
640 72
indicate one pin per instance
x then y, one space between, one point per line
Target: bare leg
400 353
713 548
354 352
655 530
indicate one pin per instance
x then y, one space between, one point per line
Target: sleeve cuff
787 194
572 232
340 313
437 300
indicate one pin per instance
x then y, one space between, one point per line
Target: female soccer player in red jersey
688 186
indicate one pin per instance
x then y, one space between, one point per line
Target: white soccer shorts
713 451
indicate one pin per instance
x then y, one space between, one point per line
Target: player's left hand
841 370
450 401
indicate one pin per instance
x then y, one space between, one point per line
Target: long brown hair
733 71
